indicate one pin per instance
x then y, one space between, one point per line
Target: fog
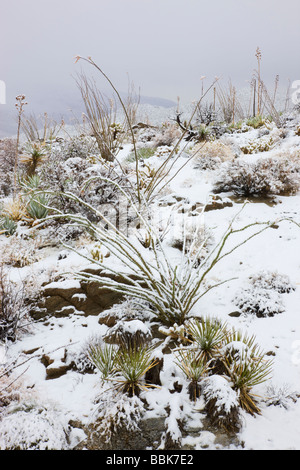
163 46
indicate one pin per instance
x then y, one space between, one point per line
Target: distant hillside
67 106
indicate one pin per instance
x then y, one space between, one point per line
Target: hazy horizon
163 46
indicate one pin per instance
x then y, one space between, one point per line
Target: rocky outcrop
65 297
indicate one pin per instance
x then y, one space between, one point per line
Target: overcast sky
163 46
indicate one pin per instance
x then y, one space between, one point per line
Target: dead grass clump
212 154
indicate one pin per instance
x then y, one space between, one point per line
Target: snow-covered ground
72 396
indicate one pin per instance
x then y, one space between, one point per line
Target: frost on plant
262 294
265 177
222 403
36 428
116 412
259 301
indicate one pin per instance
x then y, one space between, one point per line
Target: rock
216 202
148 435
235 314
56 364
66 297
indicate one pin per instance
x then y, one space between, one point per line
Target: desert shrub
82 146
13 309
142 154
207 114
7 163
60 175
117 412
41 128
258 301
257 121
20 252
282 397
14 208
221 403
167 135
33 427
212 155
261 296
272 280
261 178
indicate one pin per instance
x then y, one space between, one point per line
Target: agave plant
7 225
37 207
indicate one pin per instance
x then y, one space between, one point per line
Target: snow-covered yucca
171 289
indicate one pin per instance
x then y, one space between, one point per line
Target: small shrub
7 163
33 428
13 310
280 396
262 178
143 153
261 297
259 301
221 403
167 135
20 252
257 121
212 155
272 280
15 208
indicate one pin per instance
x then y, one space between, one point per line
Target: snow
274 250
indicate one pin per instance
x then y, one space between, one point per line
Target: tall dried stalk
229 104
19 105
40 132
259 91
157 181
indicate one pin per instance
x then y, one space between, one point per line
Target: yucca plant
171 290
247 367
35 153
194 368
208 335
133 362
104 359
